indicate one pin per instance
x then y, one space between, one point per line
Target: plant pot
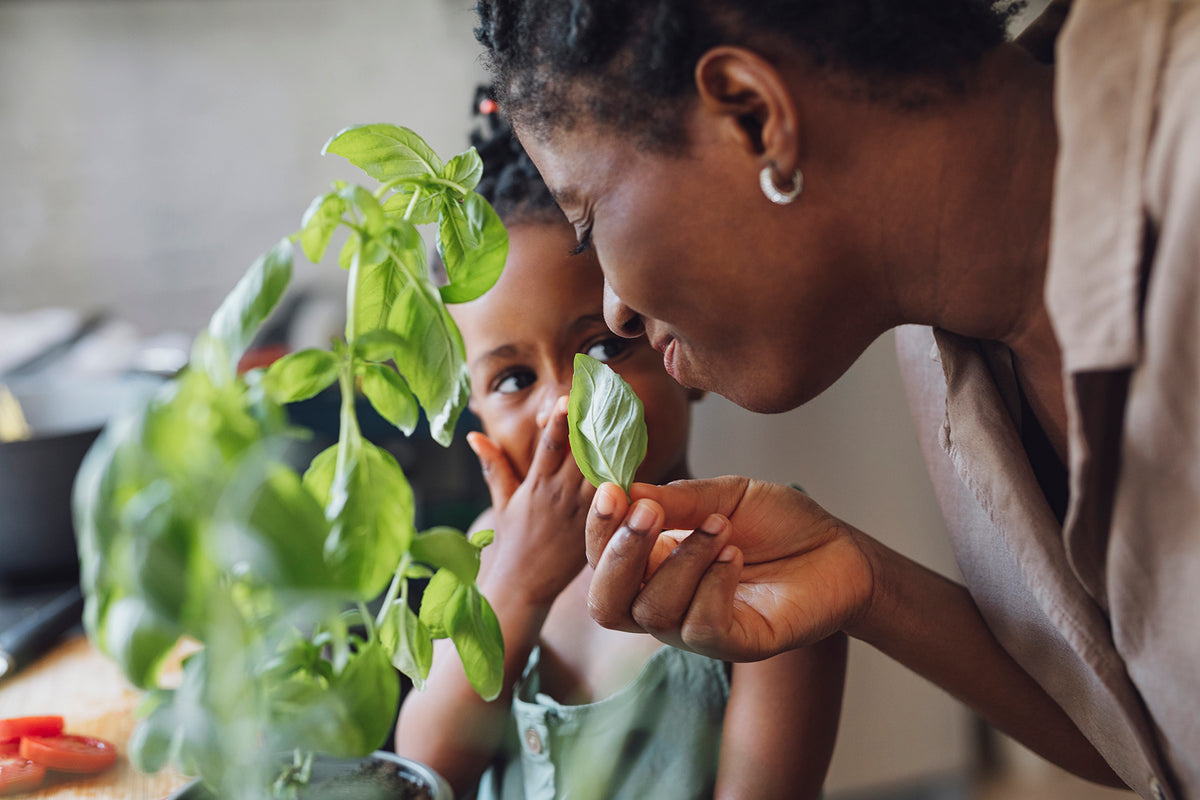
379 776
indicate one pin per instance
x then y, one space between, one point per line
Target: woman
814 174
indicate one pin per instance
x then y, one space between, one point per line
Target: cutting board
88 690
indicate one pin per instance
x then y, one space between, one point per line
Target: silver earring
776 195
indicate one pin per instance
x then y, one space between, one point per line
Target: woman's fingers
708 626
622 563
686 504
668 596
498 472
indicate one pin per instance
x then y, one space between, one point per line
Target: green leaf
408 641
434 363
378 345
152 742
473 245
381 281
370 690
391 397
385 152
318 224
465 169
373 217
350 250
445 547
299 376
275 531
244 309
374 527
605 424
476 634
435 600
483 538
138 639
428 203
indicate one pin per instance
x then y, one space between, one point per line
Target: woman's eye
513 382
607 349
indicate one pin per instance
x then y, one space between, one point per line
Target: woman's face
742 297
522 337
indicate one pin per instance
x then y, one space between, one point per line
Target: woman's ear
753 104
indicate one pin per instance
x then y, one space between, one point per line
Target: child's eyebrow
588 321
503 352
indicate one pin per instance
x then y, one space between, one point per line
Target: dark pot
66 414
358 779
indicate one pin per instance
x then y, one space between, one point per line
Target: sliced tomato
19 775
10 748
69 753
14 728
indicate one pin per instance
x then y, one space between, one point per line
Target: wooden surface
88 690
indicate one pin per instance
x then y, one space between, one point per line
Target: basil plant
192 525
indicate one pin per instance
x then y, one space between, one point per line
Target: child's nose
553 390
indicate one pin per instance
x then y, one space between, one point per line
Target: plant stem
395 586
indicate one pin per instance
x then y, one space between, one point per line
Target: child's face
522 337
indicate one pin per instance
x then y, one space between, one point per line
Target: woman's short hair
629 63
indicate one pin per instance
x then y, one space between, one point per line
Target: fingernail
604 504
471 442
713 525
727 553
641 519
560 407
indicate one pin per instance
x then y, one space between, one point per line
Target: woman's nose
621 319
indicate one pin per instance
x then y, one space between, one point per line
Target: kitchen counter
87 689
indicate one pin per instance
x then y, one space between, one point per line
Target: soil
373 780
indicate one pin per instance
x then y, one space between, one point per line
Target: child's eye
607 349
512 382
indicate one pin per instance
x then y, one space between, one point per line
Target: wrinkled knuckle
604 613
653 618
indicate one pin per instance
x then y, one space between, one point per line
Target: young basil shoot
605 424
192 523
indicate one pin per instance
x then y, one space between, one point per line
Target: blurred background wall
152 149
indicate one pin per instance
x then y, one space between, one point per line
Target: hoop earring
776 195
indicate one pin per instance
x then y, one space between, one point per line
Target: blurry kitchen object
65 413
35 632
13 425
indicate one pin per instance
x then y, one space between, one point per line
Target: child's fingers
498 473
554 443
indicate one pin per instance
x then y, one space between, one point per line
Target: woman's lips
669 354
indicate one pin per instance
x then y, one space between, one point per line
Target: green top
658 737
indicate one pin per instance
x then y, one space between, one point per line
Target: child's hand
539 522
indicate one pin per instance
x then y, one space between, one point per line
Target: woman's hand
539 521
766 569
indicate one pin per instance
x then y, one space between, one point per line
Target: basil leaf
390 396
319 222
138 639
476 634
436 599
374 220
377 345
244 309
421 212
369 689
445 547
465 169
153 739
300 375
380 281
605 424
385 152
434 363
473 245
373 527
409 643
483 538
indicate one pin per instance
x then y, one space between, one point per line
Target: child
589 712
